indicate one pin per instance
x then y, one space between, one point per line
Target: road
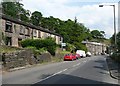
89 70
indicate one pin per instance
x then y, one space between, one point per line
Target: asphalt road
89 70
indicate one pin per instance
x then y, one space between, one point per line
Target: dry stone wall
22 58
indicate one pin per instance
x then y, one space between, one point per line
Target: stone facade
95 48
15 30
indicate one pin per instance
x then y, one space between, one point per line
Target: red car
70 57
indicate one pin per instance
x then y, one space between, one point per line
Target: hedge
48 43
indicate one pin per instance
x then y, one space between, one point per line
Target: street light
114 21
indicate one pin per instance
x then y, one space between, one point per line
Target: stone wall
22 58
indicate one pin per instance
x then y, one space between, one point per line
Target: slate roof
27 24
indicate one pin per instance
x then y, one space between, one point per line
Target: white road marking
76 65
73 65
53 75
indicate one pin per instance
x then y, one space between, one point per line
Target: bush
80 46
48 44
27 43
116 56
70 47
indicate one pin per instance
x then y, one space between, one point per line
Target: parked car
77 56
88 54
69 57
81 53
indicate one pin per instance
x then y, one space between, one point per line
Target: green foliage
50 45
112 39
116 56
46 44
16 10
70 47
72 32
80 46
98 35
118 42
36 18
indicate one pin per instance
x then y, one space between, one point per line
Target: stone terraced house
14 30
94 47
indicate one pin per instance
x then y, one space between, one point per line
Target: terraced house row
95 48
14 30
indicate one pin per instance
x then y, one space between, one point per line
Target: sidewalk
114 68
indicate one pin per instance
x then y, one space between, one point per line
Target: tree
9 8
98 35
112 39
36 18
118 41
16 10
72 32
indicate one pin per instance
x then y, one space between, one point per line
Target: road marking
53 75
73 65
76 65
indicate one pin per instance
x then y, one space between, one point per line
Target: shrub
80 46
116 56
70 47
27 43
48 44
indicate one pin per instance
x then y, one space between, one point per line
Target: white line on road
73 65
53 75
76 65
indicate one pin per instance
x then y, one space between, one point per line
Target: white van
81 53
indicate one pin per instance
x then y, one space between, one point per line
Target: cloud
90 14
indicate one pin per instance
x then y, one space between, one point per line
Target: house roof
27 24
94 43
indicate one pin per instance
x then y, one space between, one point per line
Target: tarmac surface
89 70
114 68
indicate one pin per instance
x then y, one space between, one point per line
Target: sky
87 12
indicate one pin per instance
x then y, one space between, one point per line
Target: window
8 27
19 40
60 38
8 41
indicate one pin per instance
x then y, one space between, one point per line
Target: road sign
63 44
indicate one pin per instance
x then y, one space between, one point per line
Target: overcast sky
87 12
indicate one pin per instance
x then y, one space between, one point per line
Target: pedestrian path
114 68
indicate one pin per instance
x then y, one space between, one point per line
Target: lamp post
114 21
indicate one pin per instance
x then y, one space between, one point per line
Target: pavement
114 68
